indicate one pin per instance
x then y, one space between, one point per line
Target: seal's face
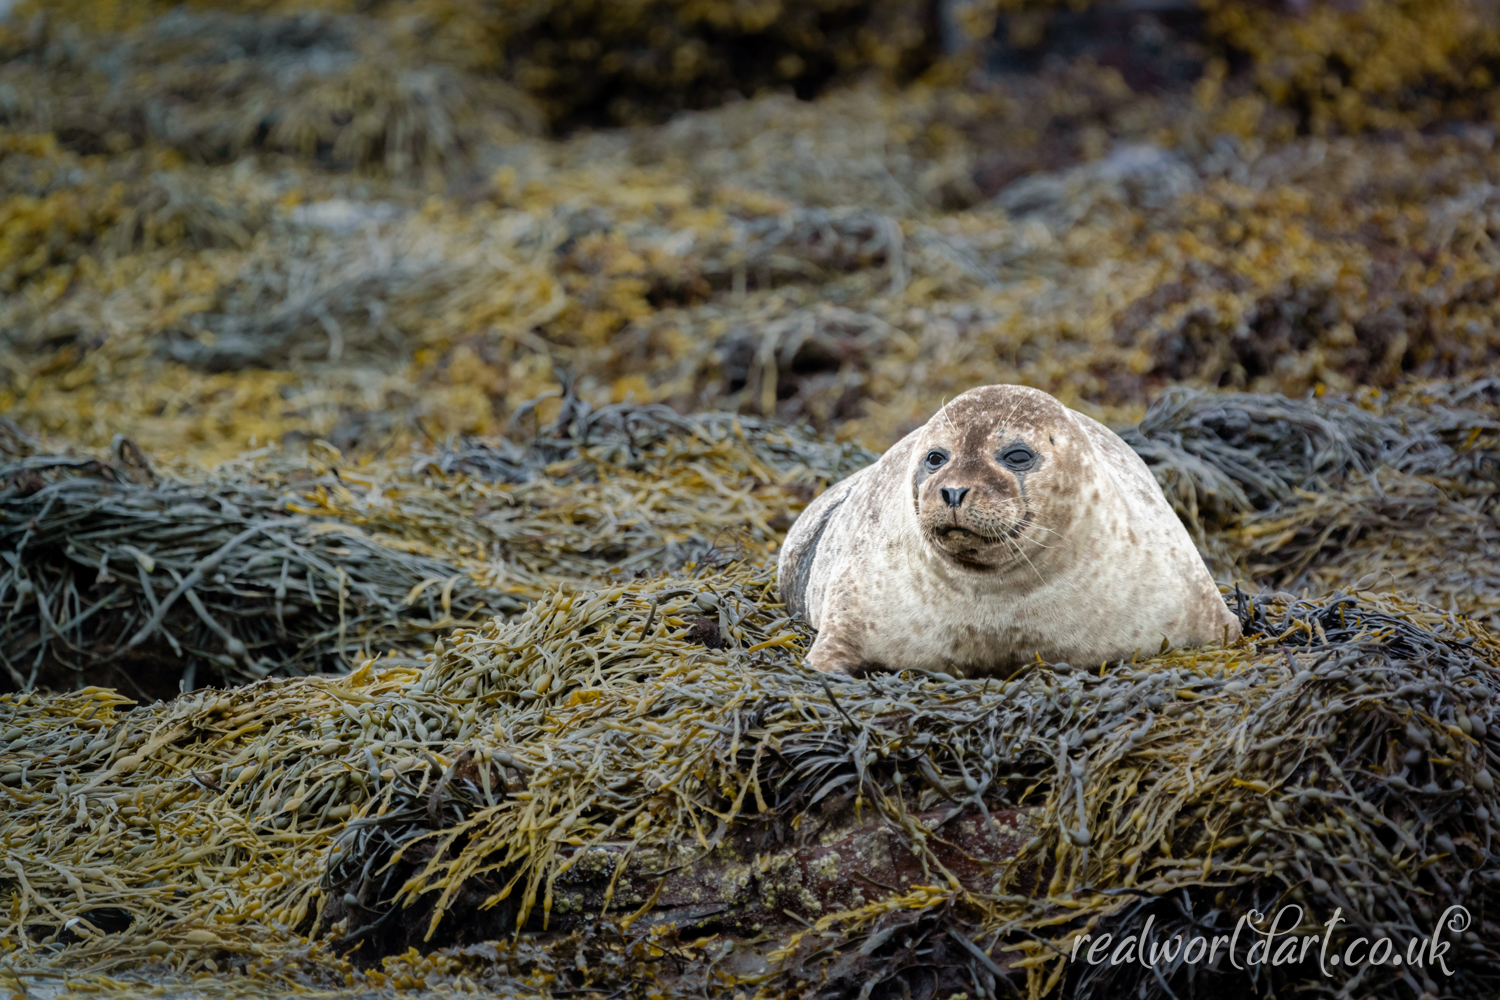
992 473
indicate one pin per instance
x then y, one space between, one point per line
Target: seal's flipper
801 549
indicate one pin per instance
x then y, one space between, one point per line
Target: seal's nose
953 496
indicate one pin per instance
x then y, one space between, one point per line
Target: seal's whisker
948 416
1016 546
1043 528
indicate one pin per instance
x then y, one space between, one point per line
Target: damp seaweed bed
409 400
287 567
631 784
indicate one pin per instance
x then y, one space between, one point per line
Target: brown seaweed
1330 758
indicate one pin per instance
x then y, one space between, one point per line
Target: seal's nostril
953 496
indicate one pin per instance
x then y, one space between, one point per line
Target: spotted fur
1059 545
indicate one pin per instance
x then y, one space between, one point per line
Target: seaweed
213 85
523 406
522 780
117 574
1281 493
134 583
1395 491
643 773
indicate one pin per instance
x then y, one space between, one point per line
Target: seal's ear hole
1049 439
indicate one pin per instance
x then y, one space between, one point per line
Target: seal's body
1007 527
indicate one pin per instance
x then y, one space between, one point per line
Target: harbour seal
1005 528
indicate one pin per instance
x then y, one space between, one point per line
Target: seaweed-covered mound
637 776
849 261
655 751
418 87
211 85
443 350
134 585
1349 68
116 575
1395 491
634 781
119 576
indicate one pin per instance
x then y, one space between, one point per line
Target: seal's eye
1018 457
936 459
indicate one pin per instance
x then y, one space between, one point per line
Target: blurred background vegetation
383 223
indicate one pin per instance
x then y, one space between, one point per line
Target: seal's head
997 472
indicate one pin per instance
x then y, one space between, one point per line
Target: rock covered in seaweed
1333 757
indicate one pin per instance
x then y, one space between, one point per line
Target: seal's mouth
957 536
969 545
